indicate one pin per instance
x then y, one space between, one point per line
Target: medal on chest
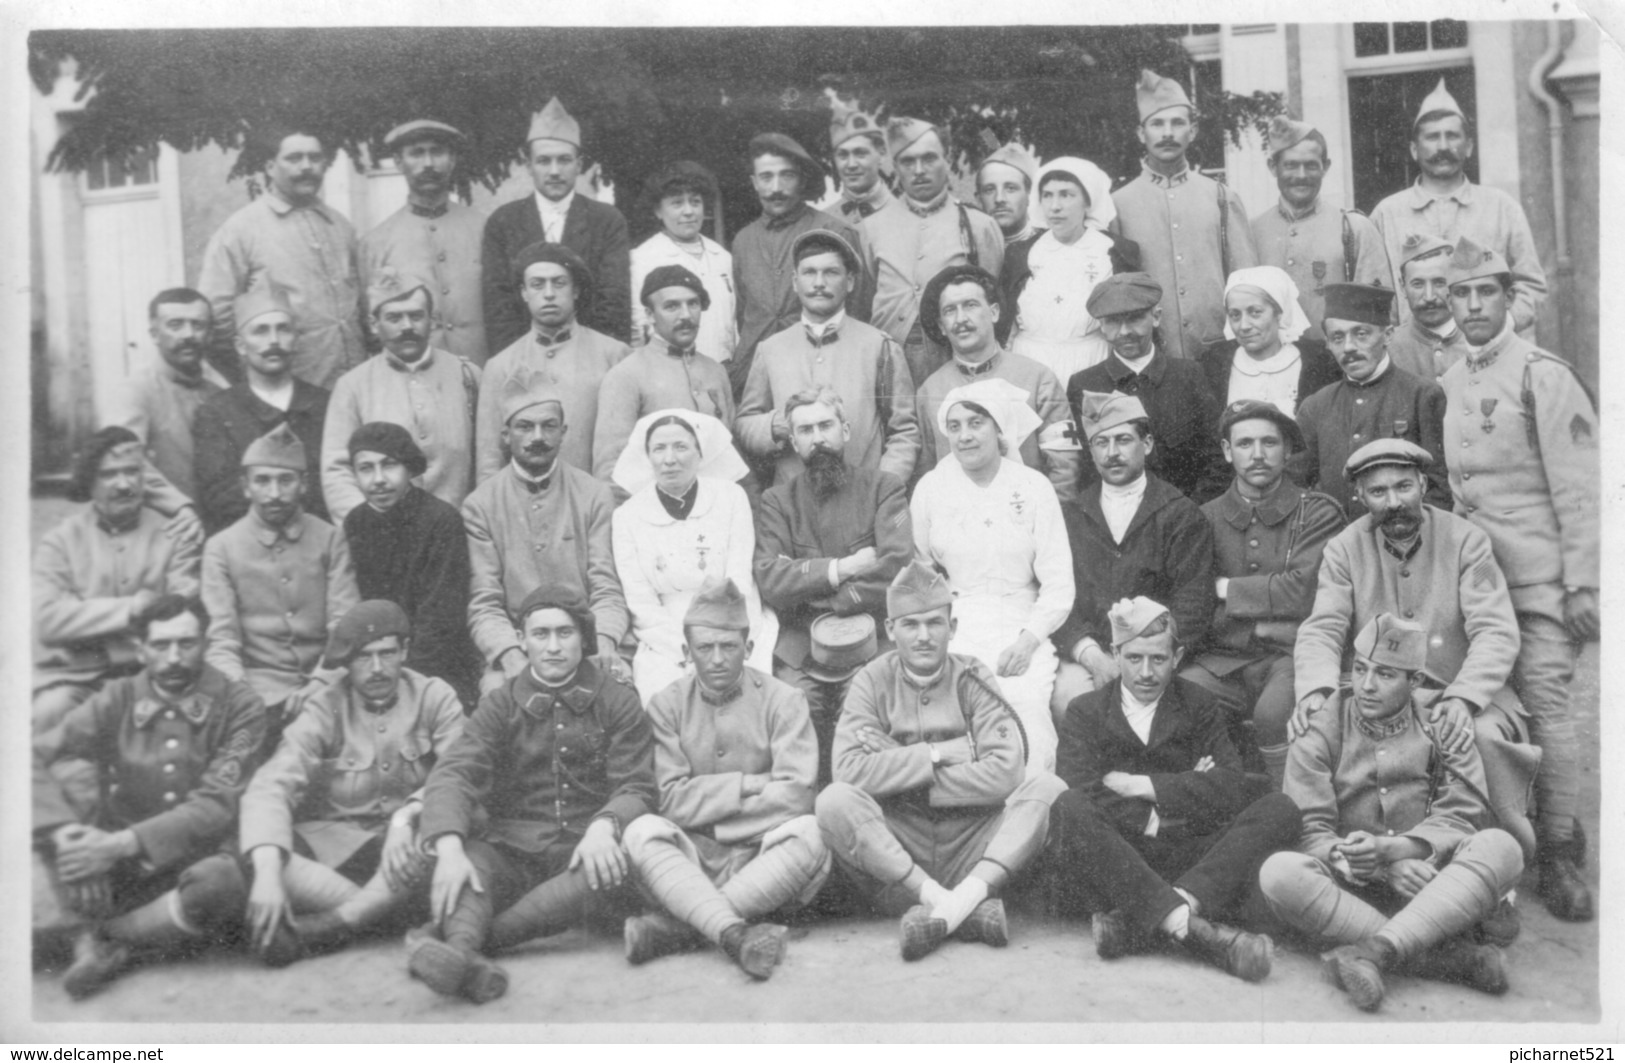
1487 407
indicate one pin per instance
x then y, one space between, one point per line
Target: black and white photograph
986 524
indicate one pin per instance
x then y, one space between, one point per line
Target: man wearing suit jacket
1160 829
595 231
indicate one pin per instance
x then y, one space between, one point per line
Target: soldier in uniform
929 812
1521 439
857 142
1430 342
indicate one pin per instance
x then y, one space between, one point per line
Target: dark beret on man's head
391 440
558 596
89 461
559 255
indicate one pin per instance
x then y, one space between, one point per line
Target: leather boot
1463 962
1503 925
1237 952
657 934
307 936
1116 935
1561 885
1357 970
96 961
757 949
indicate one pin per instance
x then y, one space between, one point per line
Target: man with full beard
1434 568
433 238
539 520
827 542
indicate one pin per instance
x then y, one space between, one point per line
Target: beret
569 599
391 440
366 622
674 277
1254 409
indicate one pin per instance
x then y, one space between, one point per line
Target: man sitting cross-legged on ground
173 746
351 768
1392 867
929 812
1160 830
561 760
735 840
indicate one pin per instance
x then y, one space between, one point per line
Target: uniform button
1466 476
1355 436
442 256
170 796
169 769
1405 572
445 291
1465 443
1253 567
1252 542
564 749
1410 614
1383 790
1179 258
925 700
386 767
171 743
721 753
1390 832
1359 402
169 714
1290 261
380 728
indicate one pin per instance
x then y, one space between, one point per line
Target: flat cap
553 122
366 622
918 588
261 300
390 440
423 129
1469 261
389 284
721 606
812 174
1380 452
1255 409
674 276
826 240
1391 641
1123 293
279 448
1366 303
1099 411
1131 616
1156 93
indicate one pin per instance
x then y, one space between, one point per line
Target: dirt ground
849 971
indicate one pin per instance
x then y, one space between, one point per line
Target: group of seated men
293 733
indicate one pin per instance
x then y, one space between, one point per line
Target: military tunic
1311 248
159 405
1341 418
444 251
655 377
231 420
1177 223
1423 353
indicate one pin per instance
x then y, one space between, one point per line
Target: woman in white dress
687 526
995 527
677 195
1262 356
1053 326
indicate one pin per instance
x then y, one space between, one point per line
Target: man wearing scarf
911 239
1315 243
433 238
787 180
1522 435
1192 231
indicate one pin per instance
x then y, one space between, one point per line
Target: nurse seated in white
994 526
687 526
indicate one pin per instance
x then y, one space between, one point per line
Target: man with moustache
911 239
1174 392
1522 435
556 214
426 390
1375 399
1445 204
1392 868
1435 568
857 141
787 180
289 239
96 576
433 238
678 196
269 395
1268 534
1004 187
1430 342
540 519
329 822
152 870
829 350
557 287
930 813
734 840
1192 230
275 583
827 541
409 547
160 400
668 372
1160 832
1315 244
1132 534
962 308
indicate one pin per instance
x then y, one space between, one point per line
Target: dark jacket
595 231
1166 555
1184 414
1014 274
416 555
798 534
1316 368
545 765
1270 552
1095 739
172 775
227 423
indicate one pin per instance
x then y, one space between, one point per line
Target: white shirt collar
836 320
1138 365
1280 361
1139 715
